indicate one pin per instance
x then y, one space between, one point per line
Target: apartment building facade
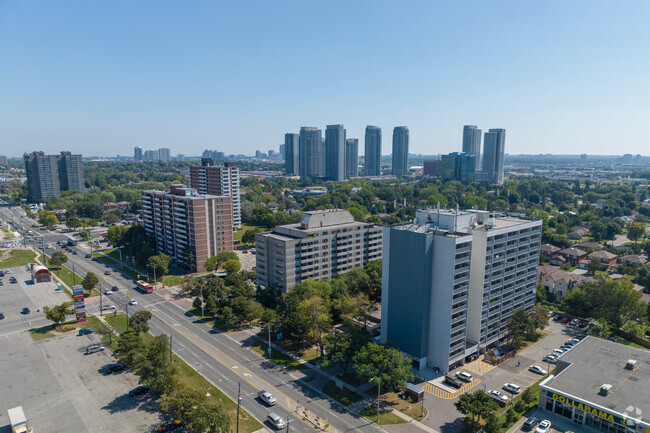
48 175
211 179
323 244
452 279
188 226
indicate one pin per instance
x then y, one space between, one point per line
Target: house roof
548 248
573 252
633 258
592 245
602 254
543 270
560 276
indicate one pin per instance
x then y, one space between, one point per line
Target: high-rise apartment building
152 155
451 280
372 155
291 143
493 154
325 243
211 179
457 166
164 154
335 152
311 155
188 226
48 175
400 150
472 143
137 153
351 157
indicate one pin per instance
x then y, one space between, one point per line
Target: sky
99 78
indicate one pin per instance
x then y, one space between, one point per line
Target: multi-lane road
217 356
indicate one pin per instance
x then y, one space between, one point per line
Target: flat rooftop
594 362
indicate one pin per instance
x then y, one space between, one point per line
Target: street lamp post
378 393
120 251
289 421
202 304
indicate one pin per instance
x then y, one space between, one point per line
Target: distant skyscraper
3 160
137 153
457 166
493 153
164 154
372 156
48 175
472 142
291 153
282 151
351 157
311 155
152 155
335 152
400 150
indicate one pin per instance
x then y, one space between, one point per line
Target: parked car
107 272
559 351
566 347
574 322
557 317
267 398
2 316
463 375
511 387
530 424
108 307
498 395
551 359
565 320
25 310
543 427
537 369
94 348
86 331
453 381
2 273
170 425
115 368
13 280
550 313
143 389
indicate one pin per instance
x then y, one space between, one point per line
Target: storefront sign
589 409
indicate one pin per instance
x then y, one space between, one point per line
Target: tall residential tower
493 154
311 153
472 143
351 157
400 150
372 155
291 153
218 180
335 152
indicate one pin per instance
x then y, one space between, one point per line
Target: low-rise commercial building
323 244
601 386
188 226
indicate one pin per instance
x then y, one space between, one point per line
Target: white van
276 420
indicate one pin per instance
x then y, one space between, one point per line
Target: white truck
18 421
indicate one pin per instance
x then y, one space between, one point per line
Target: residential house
589 246
578 232
548 251
573 255
558 283
606 258
632 260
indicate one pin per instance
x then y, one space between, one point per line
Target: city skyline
98 85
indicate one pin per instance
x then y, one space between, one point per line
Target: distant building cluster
163 154
336 157
467 164
48 175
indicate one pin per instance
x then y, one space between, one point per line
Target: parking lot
443 415
59 387
247 259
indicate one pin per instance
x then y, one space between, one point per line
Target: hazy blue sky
101 77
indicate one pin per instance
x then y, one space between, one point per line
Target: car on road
543 427
463 375
537 369
74 253
13 280
276 421
115 289
143 389
498 395
551 359
115 368
108 291
86 331
133 302
25 310
94 348
107 272
267 398
530 424
87 256
511 387
109 307
170 425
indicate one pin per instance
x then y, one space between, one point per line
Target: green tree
316 318
635 328
231 266
340 348
89 282
213 263
635 231
115 235
210 418
519 326
593 266
111 218
72 222
476 405
154 367
58 313
139 321
540 317
181 403
160 263
387 363
356 309
249 235
228 317
130 349
57 259
491 424
527 396
48 219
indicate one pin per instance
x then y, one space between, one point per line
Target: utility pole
289 421
238 403
120 251
202 304
269 326
101 311
127 316
74 282
378 393
171 351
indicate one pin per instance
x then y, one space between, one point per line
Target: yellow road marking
447 395
7 337
234 370
18 334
